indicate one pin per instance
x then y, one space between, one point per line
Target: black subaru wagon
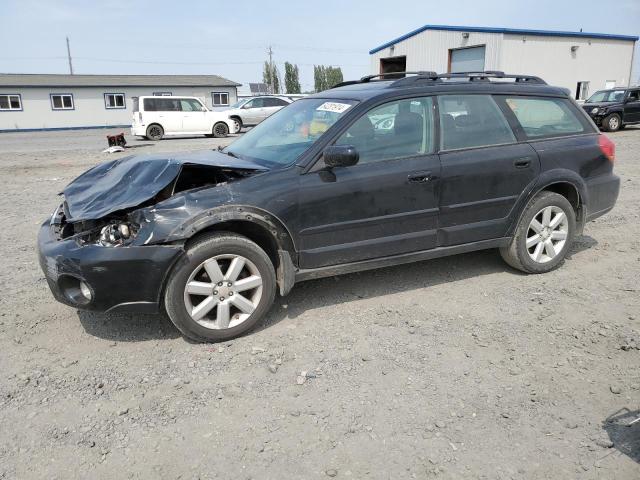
372 173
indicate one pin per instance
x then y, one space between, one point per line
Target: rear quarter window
545 117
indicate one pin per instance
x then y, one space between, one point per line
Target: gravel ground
457 368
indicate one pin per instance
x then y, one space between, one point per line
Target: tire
220 130
223 248
155 132
238 122
522 258
611 123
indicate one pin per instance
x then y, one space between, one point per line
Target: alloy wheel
614 123
547 234
223 291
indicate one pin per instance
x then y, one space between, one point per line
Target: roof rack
421 77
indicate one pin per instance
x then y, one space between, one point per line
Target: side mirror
340 156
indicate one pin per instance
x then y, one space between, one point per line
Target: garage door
467 59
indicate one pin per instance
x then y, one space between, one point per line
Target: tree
291 78
326 77
271 77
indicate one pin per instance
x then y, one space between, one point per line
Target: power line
164 62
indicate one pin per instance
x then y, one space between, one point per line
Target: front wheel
220 130
222 287
612 123
543 235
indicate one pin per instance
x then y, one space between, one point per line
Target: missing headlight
117 234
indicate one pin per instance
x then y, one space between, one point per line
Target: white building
50 102
581 62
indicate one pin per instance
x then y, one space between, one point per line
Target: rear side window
161 104
545 117
468 121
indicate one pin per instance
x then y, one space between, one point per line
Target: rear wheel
543 235
155 132
223 286
220 130
611 123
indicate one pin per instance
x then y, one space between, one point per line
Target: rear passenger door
167 113
484 169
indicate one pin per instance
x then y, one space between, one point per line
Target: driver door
632 106
386 204
253 111
194 116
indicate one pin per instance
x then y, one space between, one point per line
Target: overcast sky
231 38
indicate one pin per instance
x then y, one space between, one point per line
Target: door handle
523 162
419 177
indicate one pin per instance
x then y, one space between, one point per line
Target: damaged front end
98 250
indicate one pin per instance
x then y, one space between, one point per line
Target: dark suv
614 109
373 173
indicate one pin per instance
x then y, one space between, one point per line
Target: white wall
89 106
429 50
595 60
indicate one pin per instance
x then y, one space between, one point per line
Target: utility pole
69 57
271 82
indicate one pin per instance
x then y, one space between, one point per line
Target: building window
61 101
10 102
582 91
162 94
114 100
220 98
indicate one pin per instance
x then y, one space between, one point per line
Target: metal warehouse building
50 102
581 62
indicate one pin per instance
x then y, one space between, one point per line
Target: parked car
157 117
614 109
251 111
316 190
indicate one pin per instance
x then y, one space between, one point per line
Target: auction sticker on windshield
333 107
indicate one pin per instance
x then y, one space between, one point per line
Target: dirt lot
455 368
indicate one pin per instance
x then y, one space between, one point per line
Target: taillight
607 147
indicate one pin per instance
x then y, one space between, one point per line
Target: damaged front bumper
94 277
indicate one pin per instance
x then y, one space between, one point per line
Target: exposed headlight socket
116 234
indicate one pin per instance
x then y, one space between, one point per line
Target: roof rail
381 76
488 74
425 76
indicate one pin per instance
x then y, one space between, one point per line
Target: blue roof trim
516 31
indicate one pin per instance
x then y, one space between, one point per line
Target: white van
156 117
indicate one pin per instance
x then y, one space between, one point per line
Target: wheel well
254 232
568 191
236 117
155 123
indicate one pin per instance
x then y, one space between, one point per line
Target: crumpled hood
130 181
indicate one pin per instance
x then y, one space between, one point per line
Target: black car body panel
129 278
313 220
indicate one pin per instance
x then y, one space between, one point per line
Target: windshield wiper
221 149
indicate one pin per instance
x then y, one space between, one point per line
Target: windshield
240 103
284 136
607 96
